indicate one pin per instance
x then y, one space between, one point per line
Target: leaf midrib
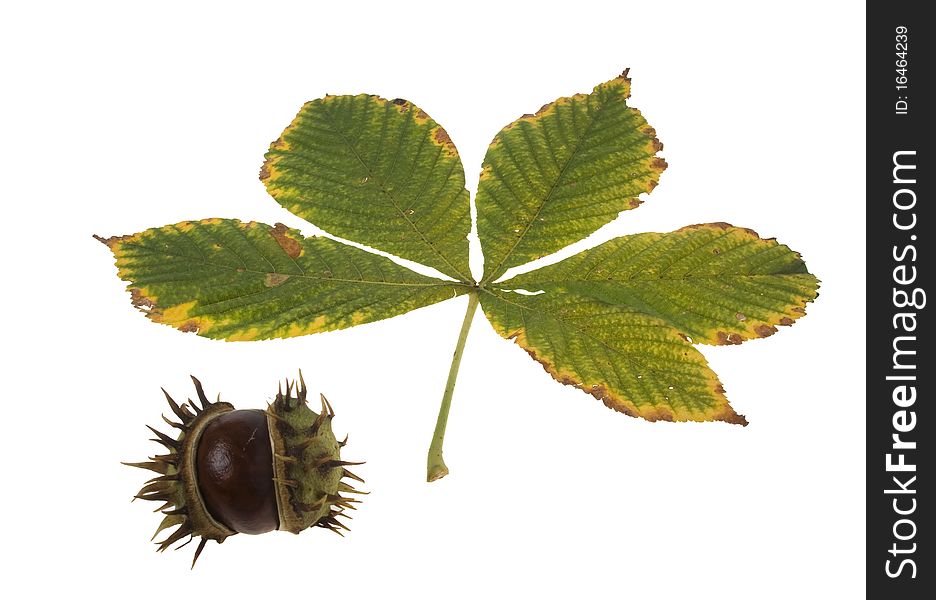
631 281
303 275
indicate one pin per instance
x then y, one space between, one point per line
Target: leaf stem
436 468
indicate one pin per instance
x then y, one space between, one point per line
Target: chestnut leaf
554 177
235 281
713 283
378 172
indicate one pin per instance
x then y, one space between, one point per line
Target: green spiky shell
307 465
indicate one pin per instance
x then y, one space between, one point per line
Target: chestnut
248 471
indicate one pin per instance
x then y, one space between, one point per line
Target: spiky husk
307 469
177 486
307 465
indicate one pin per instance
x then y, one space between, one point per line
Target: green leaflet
633 362
554 177
376 172
248 281
714 283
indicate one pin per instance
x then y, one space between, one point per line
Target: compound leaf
554 177
377 172
230 280
633 362
714 283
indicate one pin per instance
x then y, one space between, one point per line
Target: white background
117 117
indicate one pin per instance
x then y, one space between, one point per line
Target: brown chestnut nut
248 471
234 468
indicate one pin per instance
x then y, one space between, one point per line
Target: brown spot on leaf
265 171
599 391
719 389
398 101
728 339
140 301
740 316
653 183
275 279
442 137
786 321
658 163
634 202
799 309
189 327
657 145
289 245
685 337
764 330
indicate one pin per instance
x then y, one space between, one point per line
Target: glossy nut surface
234 467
